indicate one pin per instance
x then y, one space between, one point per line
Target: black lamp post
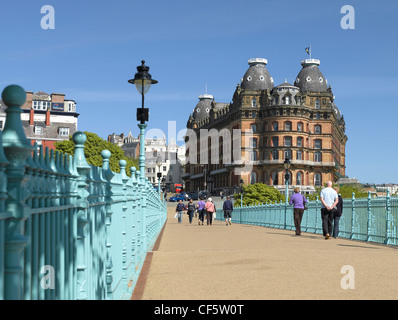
286 164
142 81
241 191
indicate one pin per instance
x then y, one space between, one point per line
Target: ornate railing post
125 178
370 218
83 168
354 229
106 155
388 218
16 149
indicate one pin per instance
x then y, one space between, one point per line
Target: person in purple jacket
298 200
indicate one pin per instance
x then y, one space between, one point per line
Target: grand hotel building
300 122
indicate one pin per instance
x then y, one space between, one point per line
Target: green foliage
345 191
93 148
258 193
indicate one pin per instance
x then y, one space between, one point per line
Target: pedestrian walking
298 201
337 215
228 207
191 210
201 210
179 209
329 199
210 209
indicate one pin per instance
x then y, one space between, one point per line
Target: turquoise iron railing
368 219
69 230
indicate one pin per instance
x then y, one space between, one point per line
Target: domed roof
257 76
310 77
203 107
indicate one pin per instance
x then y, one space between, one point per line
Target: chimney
48 118
31 116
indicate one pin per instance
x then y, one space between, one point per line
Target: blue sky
96 46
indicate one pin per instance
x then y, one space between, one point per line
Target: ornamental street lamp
159 163
142 81
286 164
241 191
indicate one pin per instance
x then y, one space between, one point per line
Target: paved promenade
242 262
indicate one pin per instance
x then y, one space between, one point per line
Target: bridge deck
242 262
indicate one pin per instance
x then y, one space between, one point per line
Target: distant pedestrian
228 207
298 201
180 209
201 210
329 199
210 209
337 215
191 210
222 195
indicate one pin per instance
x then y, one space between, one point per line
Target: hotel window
318 129
253 155
275 141
41 105
274 177
299 178
253 177
254 102
63 131
288 142
318 156
300 126
38 130
299 155
287 100
299 141
288 126
275 126
253 142
317 103
288 154
317 144
276 100
317 179
253 127
275 154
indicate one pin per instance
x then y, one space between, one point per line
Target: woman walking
298 201
210 209
201 210
337 215
191 210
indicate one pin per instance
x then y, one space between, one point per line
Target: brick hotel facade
300 122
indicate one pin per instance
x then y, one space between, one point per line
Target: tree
93 148
345 191
258 193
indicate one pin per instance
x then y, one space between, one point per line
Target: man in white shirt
329 199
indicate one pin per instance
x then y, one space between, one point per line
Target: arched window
300 126
275 141
253 177
317 179
299 141
299 178
275 126
274 177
